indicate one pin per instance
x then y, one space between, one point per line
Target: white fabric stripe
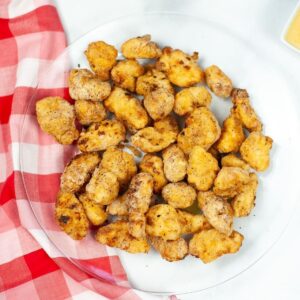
18 8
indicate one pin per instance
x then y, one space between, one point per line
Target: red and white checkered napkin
31 36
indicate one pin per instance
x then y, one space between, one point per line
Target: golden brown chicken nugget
84 85
153 165
191 98
232 160
170 250
127 109
179 194
101 57
210 244
256 151
175 163
101 135
140 47
244 202
181 68
125 73
118 207
117 235
56 116
88 112
218 81
78 171
202 169
70 216
103 188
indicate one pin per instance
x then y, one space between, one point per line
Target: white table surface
277 275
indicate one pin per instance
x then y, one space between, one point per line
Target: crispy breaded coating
159 103
232 135
181 68
175 163
78 171
117 235
140 47
231 160
101 135
202 129
179 194
210 244
191 223
230 181
214 152
88 112
170 250
191 98
95 212
118 207
84 85
151 81
256 151
218 81
162 221
245 112
101 57
103 188
202 169
121 163
217 211
158 137
127 109
153 165
244 202
56 116
70 216
125 73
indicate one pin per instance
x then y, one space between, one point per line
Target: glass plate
273 98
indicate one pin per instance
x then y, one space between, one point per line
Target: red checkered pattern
31 36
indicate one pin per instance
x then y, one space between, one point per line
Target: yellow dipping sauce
292 35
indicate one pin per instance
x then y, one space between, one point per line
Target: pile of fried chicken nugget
138 103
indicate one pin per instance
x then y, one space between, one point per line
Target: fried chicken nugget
162 221
170 250
125 73
232 160
202 169
118 207
245 112
101 135
140 47
179 194
70 216
157 138
191 98
151 81
244 202
84 85
117 235
78 171
232 135
159 103
95 212
103 188
127 109
202 129
56 116
256 151
210 244
182 69
88 112
230 181
121 163
175 163
218 81
153 165
217 211
138 198
101 57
